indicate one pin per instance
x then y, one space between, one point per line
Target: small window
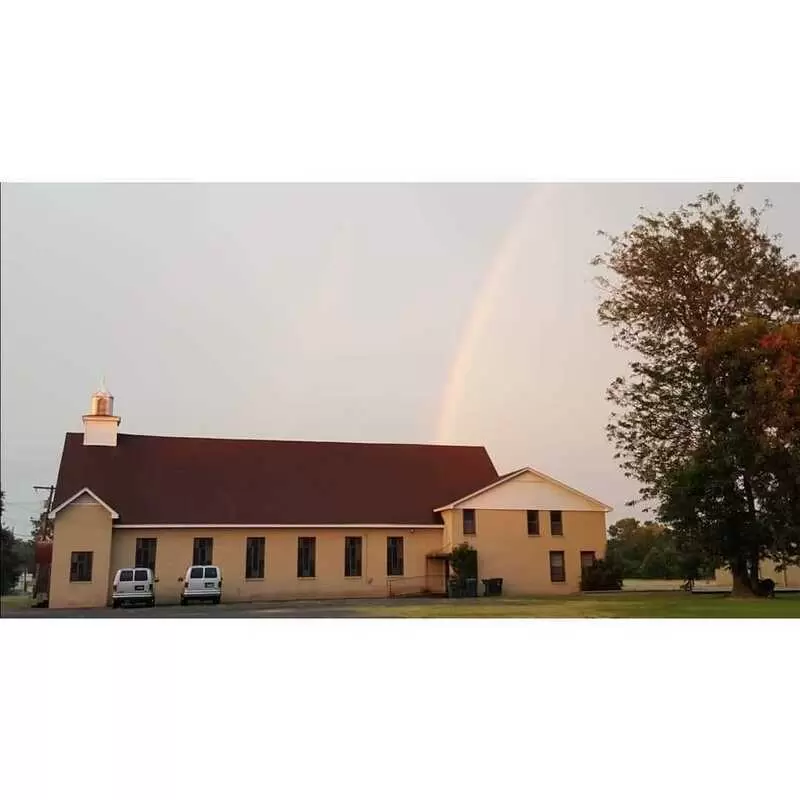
556 523
469 521
126 575
203 551
211 572
557 571
533 523
306 553
80 566
587 559
394 555
140 575
352 556
146 554
197 572
254 558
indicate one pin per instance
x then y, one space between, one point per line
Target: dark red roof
173 480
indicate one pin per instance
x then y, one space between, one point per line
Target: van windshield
197 572
141 575
126 575
211 572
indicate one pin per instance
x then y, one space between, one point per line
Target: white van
202 583
134 585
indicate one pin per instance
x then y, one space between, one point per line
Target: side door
141 582
125 583
194 583
211 579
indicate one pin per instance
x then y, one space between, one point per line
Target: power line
50 490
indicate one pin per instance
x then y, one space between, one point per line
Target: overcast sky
403 313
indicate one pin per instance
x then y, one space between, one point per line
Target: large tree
738 495
10 563
629 542
689 292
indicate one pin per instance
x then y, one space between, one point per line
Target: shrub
464 561
602 576
766 588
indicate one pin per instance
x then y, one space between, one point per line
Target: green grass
656 605
15 601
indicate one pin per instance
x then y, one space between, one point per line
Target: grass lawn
15 601
652 605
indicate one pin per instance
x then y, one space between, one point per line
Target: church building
304 519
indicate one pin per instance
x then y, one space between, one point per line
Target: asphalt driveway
299 609
662 604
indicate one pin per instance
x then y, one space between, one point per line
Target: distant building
788 578
24 583
295 519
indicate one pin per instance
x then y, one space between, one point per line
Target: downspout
365 564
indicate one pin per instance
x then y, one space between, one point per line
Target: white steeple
100 425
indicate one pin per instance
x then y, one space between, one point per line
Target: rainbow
483 307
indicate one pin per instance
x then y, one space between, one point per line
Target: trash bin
471 587
492 587
454 588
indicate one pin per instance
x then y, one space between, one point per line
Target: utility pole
41 575
44 525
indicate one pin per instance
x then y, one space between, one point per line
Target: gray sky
412 313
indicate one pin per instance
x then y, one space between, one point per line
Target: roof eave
70 500
511 476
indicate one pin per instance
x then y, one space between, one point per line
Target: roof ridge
291 441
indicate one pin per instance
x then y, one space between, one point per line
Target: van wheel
115 604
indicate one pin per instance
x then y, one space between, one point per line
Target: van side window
140 575
126 575
211 572
197 572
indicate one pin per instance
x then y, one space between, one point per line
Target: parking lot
660 604
299 609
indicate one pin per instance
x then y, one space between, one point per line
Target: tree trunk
742 586
754 577
754 556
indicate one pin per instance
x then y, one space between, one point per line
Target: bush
464 561
766 588
602 576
